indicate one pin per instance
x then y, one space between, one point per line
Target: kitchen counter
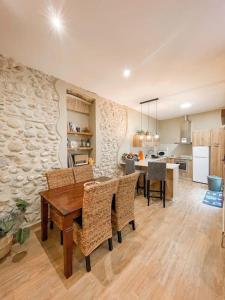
184 157
172 176
144 163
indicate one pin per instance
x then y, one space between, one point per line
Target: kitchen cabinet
170 160
216 160
201 138
136 141
217 137
142 143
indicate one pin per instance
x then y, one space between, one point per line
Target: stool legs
110 244
162 192
119 235
144 185
138 186
132 224
148 191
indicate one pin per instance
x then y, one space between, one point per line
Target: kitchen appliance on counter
201 163
161 153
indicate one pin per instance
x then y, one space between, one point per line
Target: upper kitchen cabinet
136 141
201 138
217 137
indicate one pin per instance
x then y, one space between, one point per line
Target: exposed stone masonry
28 138
29 141
111 125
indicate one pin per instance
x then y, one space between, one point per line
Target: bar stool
157 171
130 168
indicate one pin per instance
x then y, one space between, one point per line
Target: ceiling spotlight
185 105
126 73
55 20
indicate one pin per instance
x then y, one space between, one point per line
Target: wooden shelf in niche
80 133
76 105
85 148
80 148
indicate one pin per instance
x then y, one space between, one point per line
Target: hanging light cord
156 127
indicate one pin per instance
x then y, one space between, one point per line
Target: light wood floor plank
174 254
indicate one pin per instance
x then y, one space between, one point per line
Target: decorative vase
5 245
141 155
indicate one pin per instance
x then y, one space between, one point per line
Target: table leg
44 219
68 246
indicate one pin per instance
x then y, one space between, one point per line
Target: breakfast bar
172 176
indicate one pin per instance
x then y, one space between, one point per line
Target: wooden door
217 137
216 160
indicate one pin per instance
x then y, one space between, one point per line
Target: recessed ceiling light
56 20
126 73
185 105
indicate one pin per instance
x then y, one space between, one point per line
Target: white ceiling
175 48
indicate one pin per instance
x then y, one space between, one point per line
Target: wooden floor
174 253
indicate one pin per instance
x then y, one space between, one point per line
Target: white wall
133 125
170 130
206 120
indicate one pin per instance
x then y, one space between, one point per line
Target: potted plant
12 225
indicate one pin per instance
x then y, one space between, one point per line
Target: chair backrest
156 171
129 166
96 211
83 173
124 202
59 178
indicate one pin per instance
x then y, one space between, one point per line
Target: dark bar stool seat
130 168
157 171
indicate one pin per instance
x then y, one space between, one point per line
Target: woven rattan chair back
59 178
96 214
124 203
156 171
129 166
83 173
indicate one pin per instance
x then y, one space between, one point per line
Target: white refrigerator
200 163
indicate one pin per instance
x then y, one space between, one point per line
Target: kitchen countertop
144 163
184 157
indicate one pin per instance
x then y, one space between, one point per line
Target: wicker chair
56 179
124 203
83 173
96 224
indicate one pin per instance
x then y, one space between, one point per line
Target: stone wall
28 136
111 129
32 107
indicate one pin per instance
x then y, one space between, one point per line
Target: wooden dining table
67 202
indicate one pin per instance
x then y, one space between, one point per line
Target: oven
183 164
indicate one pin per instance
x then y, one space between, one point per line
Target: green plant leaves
6 225
22 235
21 204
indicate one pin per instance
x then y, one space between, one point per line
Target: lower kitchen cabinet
187 173
170 160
